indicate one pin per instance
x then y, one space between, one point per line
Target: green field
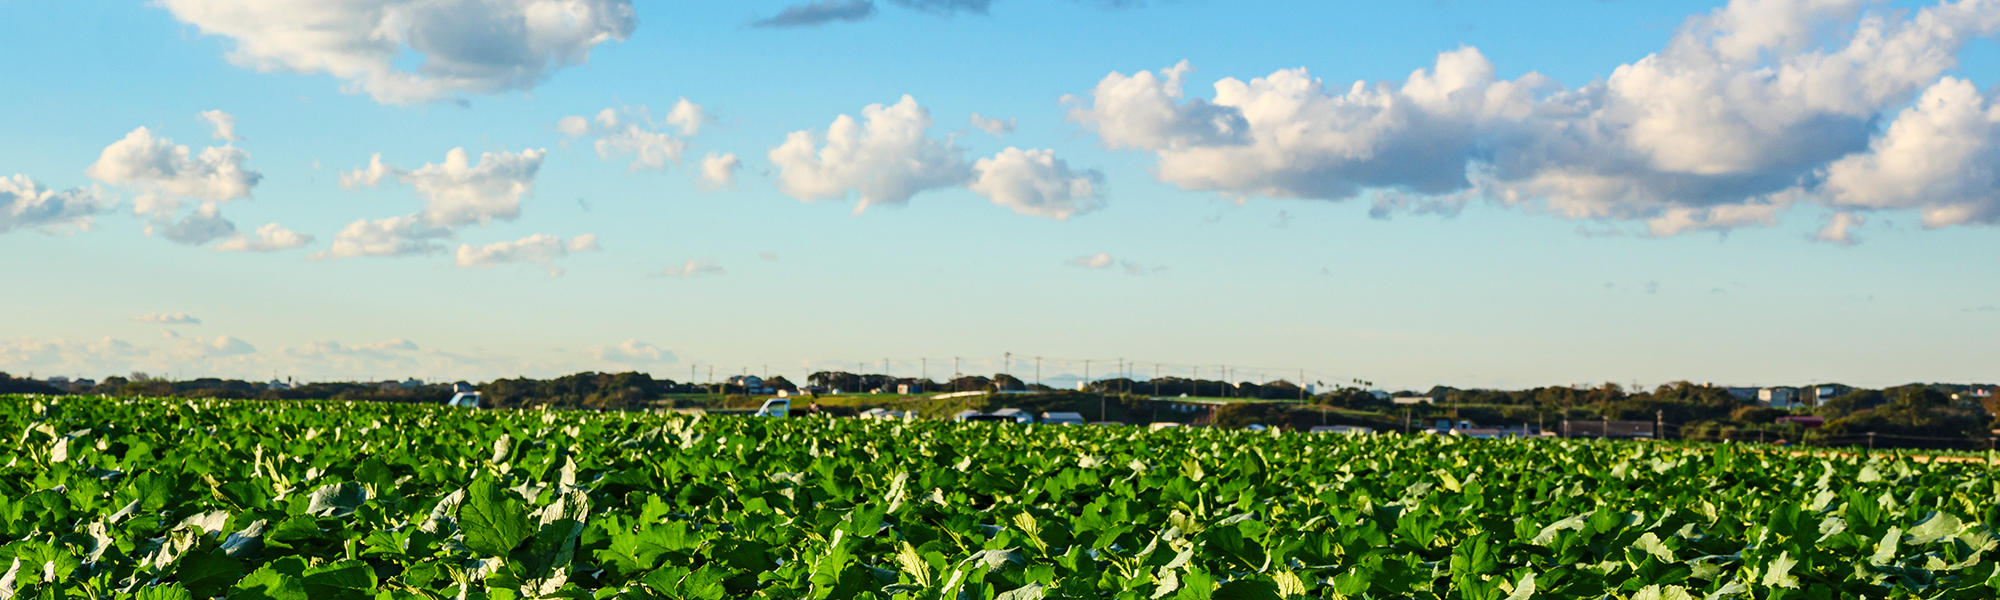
171 498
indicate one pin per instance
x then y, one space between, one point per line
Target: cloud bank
456 193
888 157
1750 109
456 46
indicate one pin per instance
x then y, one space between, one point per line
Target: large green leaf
492 520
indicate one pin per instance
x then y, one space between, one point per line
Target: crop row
171 498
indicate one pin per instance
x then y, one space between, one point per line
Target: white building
1411 400
1779 397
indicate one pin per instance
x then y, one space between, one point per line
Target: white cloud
168 319
457 46
394 236
542 249
1036 183
457 193
694 267
718 170
889 157
369 175
632 352
993 126
84 358
1101 260
271 237
223 123
631 131
221 346
1939 155
1840 229
688 116
1740 115
165 173
884 161
25 204
202 226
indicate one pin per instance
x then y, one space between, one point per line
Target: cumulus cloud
1099 261
1748 110
1939 155
166 175
885 160
1840 229
889 156
168 319
224 125
718 170
996 127
541 249
394 236
632 352
221 346
688 117
202 226
413 51
819 13
1036 183
694 267
25 204
271 237
631 131
456 193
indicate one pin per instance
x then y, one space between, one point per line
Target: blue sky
1569 192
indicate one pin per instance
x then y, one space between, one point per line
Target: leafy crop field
169 498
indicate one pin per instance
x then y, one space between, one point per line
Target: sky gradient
1514 194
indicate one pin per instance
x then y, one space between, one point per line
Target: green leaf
207 573
1779 572
347 579
337 500
1247 589
268 584
171 591
493 522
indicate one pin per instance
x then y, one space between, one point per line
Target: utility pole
1871 441
1302 391
1659 418
926 366
1038 370
1086 380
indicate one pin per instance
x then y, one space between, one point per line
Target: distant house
1823 393
751 384
1779 397
276 385
909 388
1411 400
1379 394
411 383
1742 393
